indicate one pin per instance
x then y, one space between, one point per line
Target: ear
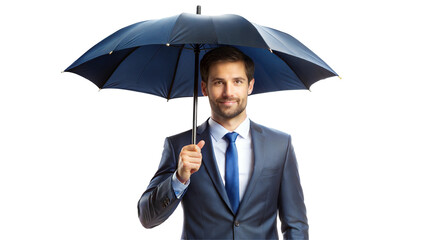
251 86
204 88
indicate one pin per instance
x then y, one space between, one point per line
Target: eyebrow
236 78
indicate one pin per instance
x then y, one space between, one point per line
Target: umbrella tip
198 9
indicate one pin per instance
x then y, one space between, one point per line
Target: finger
191 154
190 159
195 169
201 144
191 147
191 167
194 147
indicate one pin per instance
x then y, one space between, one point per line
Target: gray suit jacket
273 187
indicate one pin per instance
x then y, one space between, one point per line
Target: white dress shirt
220 144
244 148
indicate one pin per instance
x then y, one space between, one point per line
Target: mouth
228 102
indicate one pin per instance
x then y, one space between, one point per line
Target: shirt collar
218 131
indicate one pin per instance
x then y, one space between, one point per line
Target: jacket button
166 202
236 223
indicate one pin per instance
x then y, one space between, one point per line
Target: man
238 176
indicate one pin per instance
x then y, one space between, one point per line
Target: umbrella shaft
195 96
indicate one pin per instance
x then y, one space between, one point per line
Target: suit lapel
209 161
258 142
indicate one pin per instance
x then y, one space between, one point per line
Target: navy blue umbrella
161 57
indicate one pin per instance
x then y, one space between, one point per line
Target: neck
232 123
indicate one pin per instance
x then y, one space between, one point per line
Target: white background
75 160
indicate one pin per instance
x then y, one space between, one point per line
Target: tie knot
232 136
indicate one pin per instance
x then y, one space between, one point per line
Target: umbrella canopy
161 57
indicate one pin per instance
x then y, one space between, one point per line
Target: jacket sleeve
159 201
291 206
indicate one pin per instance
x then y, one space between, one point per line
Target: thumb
201 143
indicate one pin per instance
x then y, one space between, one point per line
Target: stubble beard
225 112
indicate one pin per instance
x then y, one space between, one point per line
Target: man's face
227 88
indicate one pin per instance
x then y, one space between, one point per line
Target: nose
228 90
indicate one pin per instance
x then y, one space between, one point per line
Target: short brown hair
225 54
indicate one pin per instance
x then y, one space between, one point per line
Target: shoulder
181 137
267 131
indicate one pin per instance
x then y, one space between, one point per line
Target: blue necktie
232 183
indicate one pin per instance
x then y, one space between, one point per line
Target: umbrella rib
175 46
318 60
191 48
174 73
309 52
295 73
112 72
